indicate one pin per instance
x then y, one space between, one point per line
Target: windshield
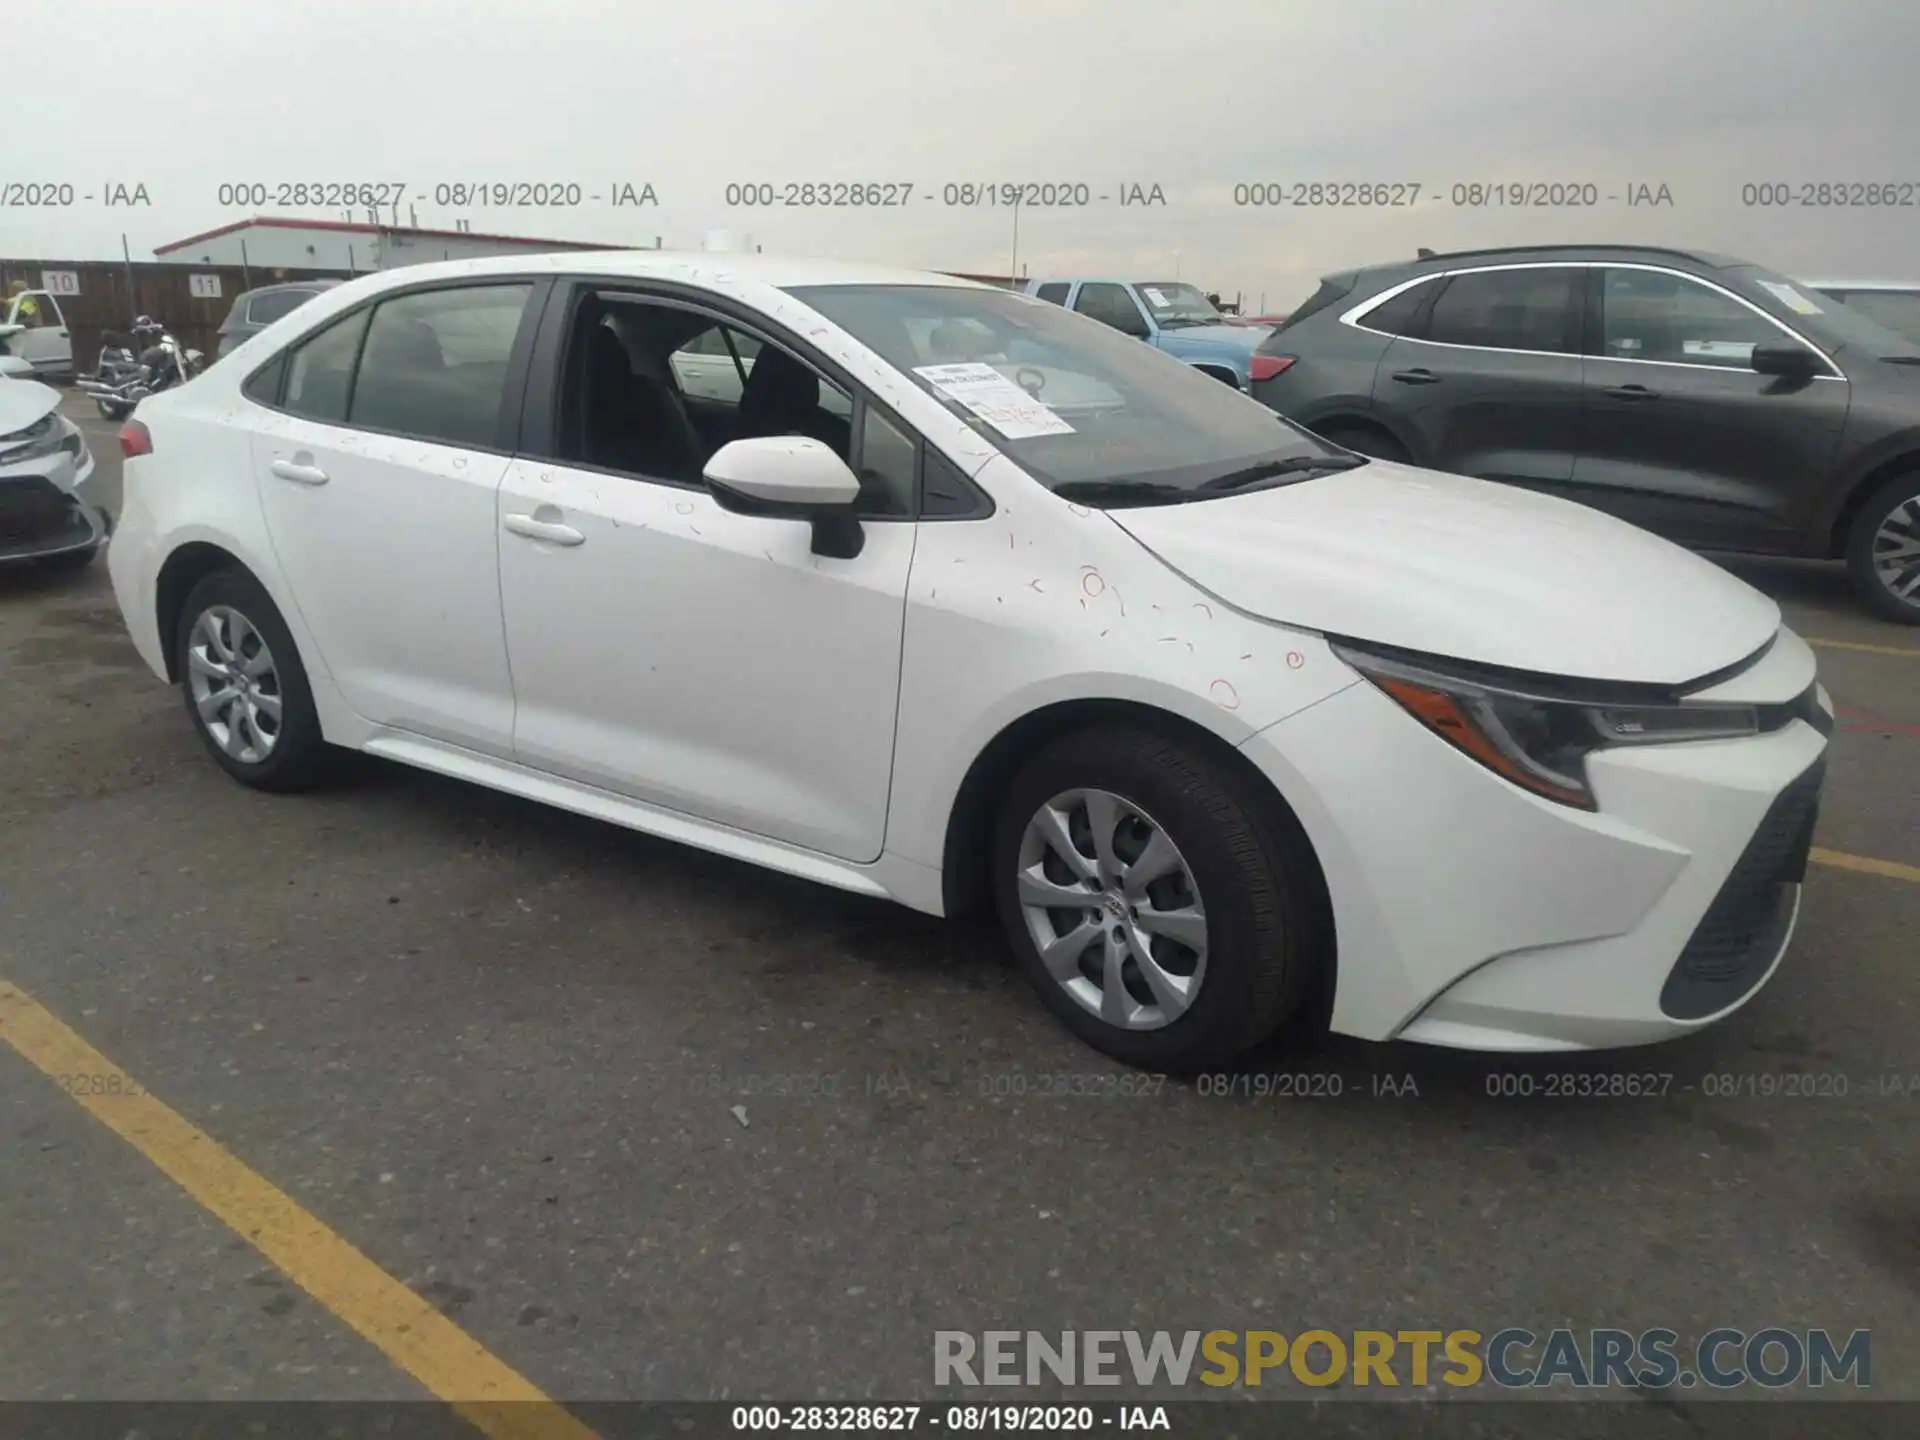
1897 310
1820 317
1067 398
1174 304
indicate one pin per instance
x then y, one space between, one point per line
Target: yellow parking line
450 1363
1867 649
1866 864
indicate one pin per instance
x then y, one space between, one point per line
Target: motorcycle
128 374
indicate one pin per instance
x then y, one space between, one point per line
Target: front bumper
1469 913
48 508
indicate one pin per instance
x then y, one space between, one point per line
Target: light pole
1013 265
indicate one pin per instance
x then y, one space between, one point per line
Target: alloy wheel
1896 551
234 684
1113 909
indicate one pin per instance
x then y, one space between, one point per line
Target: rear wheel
245 688
1367 441
1157 910
1883 550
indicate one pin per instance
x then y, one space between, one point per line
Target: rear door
377 469
1681 435
1487 379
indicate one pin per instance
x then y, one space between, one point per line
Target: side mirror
1793 362
791 477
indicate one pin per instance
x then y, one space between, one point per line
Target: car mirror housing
791 477
1793 361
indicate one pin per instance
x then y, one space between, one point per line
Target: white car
1227 723
49 515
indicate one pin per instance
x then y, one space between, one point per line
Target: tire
1262 921
1895 510
109 410
295 755
1367 441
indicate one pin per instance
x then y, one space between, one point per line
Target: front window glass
1071 401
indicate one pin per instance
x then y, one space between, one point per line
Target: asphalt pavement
647 1123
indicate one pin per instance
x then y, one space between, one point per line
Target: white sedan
1229 725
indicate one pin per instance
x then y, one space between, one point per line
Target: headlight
1537 739
43 437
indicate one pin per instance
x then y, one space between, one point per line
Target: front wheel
1883 550
1164 915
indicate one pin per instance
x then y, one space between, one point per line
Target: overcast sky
1703 96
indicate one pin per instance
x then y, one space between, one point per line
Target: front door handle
1631 392
298 473
1419 376
552 531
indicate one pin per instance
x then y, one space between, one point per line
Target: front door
43 339
683 655
1681 435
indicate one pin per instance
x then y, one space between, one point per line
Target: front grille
37 514
1747 923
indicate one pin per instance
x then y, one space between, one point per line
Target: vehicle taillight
135 440
1265 367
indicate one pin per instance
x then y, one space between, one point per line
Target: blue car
1169 315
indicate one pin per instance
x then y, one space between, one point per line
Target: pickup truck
33 329
1169 315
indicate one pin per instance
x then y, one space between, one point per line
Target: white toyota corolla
941 593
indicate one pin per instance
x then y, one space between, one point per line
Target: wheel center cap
1116 905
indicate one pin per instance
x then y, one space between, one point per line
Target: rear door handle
1631 392
299 474
552 531
1419 376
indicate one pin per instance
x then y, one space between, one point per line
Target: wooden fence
111 293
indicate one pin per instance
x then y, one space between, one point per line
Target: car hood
1242 338
24 401
1464 568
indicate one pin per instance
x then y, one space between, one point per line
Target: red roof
359 227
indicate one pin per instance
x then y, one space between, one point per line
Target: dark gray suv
254 310
1701 397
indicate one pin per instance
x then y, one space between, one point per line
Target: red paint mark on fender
1295 660
1222 693
1092 581
1202 605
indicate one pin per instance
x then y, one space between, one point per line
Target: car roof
781 271
322 283
1448 259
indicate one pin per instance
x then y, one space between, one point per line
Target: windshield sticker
1791 298
995 399
1155 298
